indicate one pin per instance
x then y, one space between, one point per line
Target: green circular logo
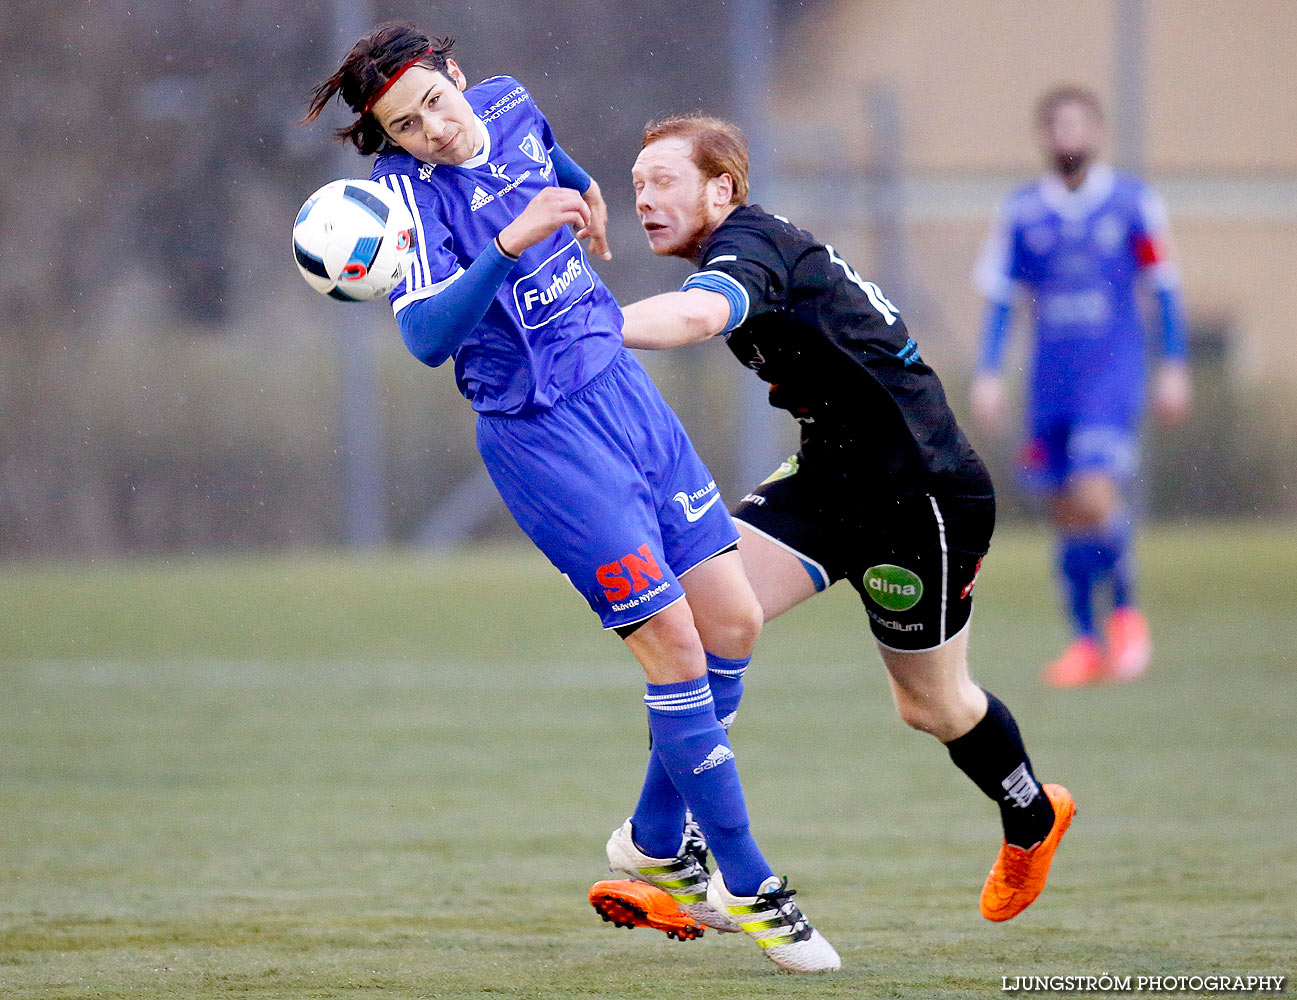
893 587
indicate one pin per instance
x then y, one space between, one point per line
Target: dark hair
369 66
1068 93
720 147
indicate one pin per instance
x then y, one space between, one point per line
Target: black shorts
912 558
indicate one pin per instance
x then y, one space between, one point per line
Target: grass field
313 777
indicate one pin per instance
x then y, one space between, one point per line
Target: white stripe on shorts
945 564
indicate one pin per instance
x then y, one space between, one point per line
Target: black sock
992 755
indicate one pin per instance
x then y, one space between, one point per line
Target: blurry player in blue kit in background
591 462
1075 245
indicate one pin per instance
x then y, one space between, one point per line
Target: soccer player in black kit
885 490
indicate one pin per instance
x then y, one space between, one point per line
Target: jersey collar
735 215
1093 192
478 159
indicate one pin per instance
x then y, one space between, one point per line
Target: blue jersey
552 325
1078 255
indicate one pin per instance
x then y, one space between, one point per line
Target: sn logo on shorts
631 574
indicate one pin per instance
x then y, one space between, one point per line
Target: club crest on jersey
533 148
1109 233
553 288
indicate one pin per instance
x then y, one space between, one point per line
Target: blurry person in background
1076 245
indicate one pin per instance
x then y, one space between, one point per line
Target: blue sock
1079 562
1119 557
655 831
726 678
657 824
693 748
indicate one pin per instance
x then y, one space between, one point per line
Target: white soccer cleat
684 878
773 920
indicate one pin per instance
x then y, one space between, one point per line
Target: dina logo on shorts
893 587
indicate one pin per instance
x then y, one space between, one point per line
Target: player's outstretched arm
675 319
544 215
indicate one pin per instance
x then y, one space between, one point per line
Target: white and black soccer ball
353 240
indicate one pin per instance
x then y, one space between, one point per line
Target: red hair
720 147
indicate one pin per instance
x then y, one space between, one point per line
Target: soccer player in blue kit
1076 243
591 462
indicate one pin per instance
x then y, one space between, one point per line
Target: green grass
312 777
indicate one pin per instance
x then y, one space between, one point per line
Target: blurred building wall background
1218 143
168 384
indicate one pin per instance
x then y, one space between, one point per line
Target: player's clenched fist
544 214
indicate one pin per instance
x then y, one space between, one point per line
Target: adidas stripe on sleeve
434 267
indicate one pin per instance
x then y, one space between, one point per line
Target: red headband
369 105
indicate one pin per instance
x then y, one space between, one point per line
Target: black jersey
838 357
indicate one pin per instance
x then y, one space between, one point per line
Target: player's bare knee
1089 503
942 720
746 624
668 646
916 715
944 712
732 631
675 637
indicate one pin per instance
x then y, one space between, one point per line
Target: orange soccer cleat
1129 646
625 903
1018 875
1081 664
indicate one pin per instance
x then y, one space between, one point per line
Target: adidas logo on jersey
719 755
480 198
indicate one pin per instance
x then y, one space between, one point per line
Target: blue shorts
1062 447
609 487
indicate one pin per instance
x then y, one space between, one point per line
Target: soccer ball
353 240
